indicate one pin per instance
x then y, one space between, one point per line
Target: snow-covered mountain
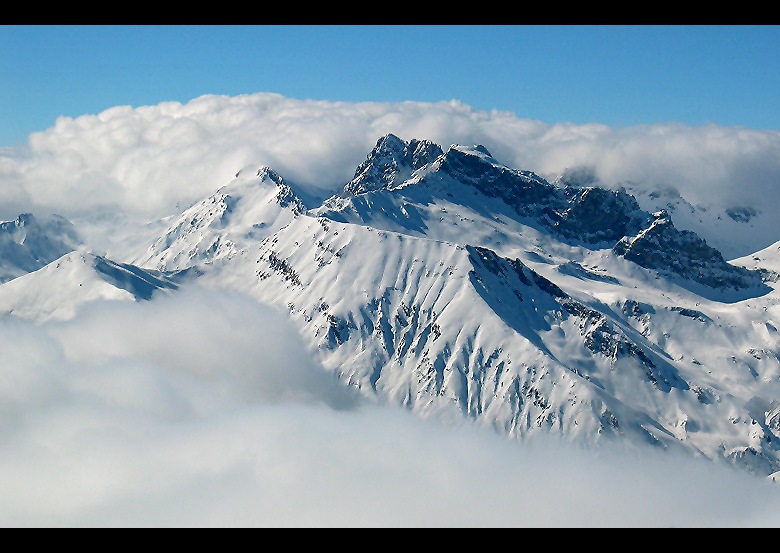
492 197
57 290
28 243
446 282
254 205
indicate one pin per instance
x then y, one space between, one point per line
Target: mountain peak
24 219
266 173
589 216
389 142
391 162
253 205
476 149
28 243
57 290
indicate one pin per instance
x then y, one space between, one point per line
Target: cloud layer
151 159
202 409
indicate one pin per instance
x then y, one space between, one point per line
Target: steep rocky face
596 215
391 162
526 192
663 247
587 215
28 243
285 196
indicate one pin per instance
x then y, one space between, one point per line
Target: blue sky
616 75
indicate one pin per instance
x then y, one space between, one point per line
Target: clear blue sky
617 75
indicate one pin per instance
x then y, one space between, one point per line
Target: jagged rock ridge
589 215
392 161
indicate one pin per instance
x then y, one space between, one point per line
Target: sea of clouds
201 408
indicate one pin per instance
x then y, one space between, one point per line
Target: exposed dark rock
142 283
599 215
692 313
527 193
741 214
665 248
390 162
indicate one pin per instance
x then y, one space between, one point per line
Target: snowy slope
766 261
455 285
436 326
254 205
57 290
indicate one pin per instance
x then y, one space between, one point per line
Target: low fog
202 408
153 161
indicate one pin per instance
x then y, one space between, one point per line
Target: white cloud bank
149 159
201 409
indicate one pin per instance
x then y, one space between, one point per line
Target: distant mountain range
445 282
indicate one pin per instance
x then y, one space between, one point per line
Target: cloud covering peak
153 160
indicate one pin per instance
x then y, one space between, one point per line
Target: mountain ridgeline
28 243
446 282
590 216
